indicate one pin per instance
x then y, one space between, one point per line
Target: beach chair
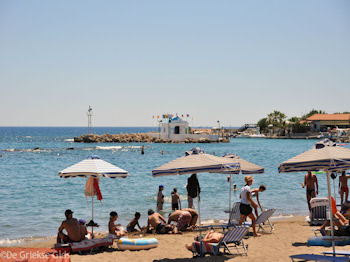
233 220
338 253
233 239
262 221
313 257
318 212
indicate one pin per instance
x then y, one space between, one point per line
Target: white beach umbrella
321 157
246 167
94 167
197 162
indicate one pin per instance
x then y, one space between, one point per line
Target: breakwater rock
140 138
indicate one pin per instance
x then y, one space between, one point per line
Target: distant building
177 129
322 122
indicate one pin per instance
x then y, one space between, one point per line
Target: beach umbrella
322 157
246 167
93 168
196 161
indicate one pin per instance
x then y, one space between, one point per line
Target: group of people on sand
311 184
76 231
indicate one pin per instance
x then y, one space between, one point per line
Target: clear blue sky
233 61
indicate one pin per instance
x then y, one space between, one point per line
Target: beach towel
208 248
193 188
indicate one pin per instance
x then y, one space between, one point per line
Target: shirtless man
153 222
255 193
309 181
343 187
72 226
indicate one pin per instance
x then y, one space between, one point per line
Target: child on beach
255 192
160 198
134 222
247 203
175 200
113 229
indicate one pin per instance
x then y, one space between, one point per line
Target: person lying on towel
72 227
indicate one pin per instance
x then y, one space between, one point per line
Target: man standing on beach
72 226
343 187
309 181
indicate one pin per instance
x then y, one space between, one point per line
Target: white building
177 129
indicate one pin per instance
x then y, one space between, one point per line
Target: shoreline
289 237
37 240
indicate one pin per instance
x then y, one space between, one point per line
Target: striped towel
208 248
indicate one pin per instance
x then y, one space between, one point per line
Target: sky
232 61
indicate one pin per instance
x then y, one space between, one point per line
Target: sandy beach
289 237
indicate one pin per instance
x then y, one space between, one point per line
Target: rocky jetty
139 138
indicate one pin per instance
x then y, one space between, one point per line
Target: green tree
276 118
312 112
262 124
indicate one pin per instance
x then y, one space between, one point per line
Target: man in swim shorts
309 181
153 222
72 226
343 187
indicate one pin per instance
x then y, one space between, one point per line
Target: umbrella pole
229 199
92 217
330 210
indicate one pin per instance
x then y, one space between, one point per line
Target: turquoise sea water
33 197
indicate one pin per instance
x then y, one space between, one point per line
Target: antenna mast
89 114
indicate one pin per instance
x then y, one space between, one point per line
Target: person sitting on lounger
153 222
134 222
72 226
183 219
115 229
210 237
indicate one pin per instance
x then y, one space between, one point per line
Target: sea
33 197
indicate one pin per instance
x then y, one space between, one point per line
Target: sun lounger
313 257
318 212
87 244
233 219
233 238
262 221
338 253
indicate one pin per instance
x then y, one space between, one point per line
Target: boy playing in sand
255 192
112 228
134 222
153 222
343 187
175 200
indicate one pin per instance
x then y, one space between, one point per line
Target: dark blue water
33 197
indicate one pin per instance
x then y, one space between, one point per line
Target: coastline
289 237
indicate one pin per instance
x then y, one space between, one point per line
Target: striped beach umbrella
196 162
322 157
93 168
246 167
